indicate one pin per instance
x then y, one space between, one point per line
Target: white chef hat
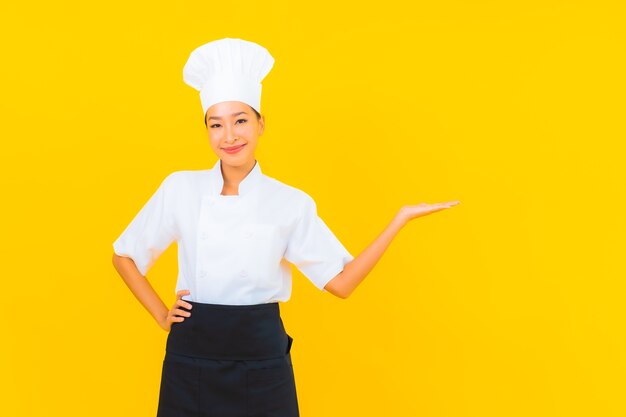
228 69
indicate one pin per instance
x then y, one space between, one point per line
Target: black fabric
228 361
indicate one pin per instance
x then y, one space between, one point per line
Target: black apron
228 361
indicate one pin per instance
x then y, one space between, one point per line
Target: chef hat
228 70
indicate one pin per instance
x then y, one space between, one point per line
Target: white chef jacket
233 249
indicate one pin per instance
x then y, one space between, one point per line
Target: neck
233 175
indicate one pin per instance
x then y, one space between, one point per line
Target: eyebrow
233 115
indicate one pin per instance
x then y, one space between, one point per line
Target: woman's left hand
357 269
407 213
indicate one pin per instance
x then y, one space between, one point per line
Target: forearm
140 287
355 271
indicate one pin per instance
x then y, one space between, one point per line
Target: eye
217 124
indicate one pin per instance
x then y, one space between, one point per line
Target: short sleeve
151 231
314 249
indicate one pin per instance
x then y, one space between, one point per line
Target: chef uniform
231 357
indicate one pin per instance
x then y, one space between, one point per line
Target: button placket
250 212
202 242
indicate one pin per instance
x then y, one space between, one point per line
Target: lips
234 149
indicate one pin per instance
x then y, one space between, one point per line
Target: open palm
422 209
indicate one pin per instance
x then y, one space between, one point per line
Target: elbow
336 289
341 284
338 294
344 295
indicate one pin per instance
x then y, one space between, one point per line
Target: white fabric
234 249
228 69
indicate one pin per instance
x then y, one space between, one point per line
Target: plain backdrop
509 304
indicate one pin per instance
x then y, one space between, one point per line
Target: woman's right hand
175 313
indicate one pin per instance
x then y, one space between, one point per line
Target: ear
261 125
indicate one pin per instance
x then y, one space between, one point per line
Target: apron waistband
233 332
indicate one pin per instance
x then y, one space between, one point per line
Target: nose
230 134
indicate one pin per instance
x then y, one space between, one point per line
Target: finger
184 303
434 209
446 204
180 312
181 293
182 306
175 316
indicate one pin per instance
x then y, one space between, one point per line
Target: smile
234 149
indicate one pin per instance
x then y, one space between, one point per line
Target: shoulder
185 178
288 191
183 184
289 200
185 175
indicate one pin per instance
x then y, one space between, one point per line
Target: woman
238 231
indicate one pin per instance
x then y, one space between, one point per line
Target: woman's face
234 124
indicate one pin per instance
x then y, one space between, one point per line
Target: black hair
258 116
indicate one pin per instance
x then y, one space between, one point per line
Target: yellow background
509 304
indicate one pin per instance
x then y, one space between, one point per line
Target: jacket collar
246 185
